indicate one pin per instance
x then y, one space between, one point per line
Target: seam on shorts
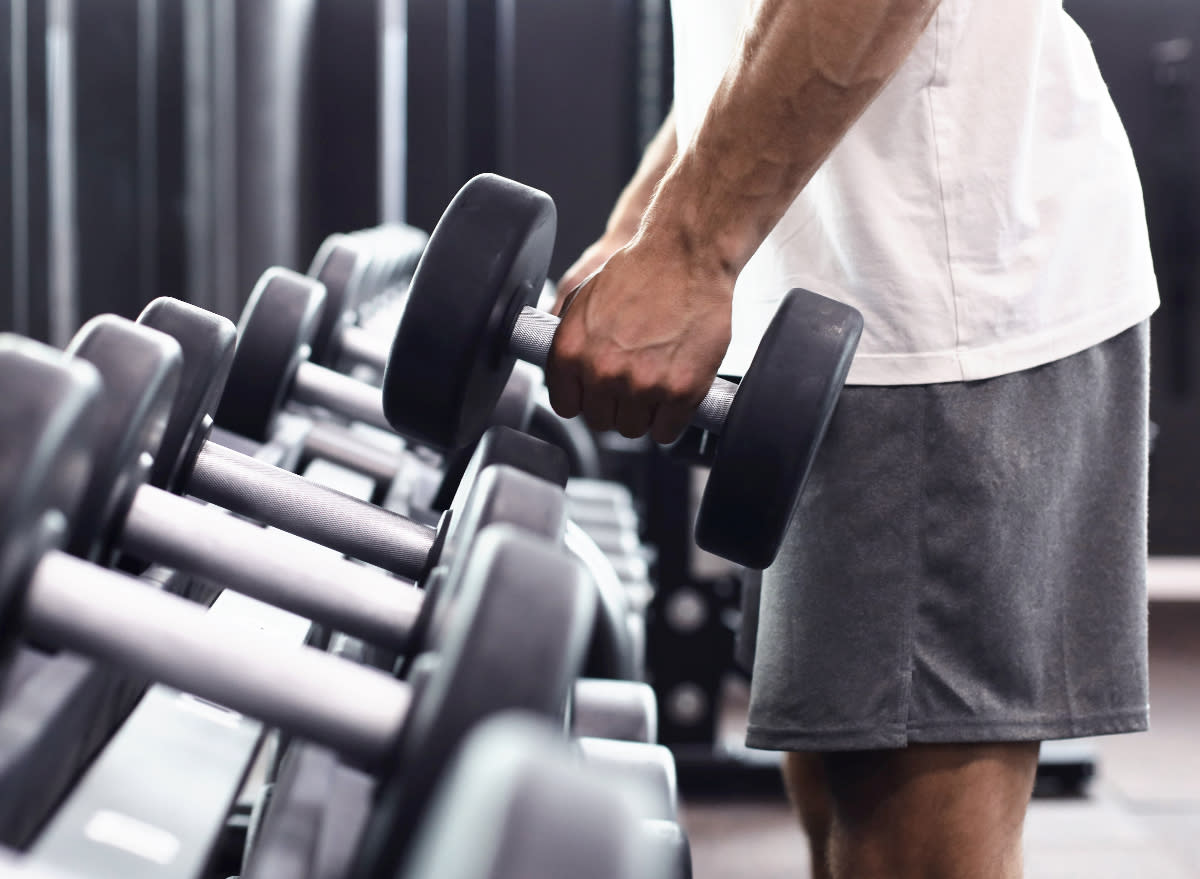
919 518
887 736
1042 720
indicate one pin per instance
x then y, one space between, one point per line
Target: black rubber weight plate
775 426
486 259
275 332
47 412
340 265
522 617
208 341
140 368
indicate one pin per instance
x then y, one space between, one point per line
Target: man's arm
642 340
626 215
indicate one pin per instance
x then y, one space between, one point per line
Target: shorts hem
946 732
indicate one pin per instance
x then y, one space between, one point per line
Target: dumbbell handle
533 334
320 386
357 345
115 618
272 566
299 506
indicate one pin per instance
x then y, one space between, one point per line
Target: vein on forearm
804 72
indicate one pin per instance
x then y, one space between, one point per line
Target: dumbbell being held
469 317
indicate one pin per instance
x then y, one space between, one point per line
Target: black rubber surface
501 445
540 814
208 342
775 426
274 336
140 369
512 585
47 411
487 258
340 265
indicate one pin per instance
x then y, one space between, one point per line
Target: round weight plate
522 613
396 249
140 368
274 337
47 413
502 494
487 258
500 445
774 427
341 265
208 341
611 654
538 814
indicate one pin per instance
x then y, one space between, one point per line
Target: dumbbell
354 269
339 444
511 584
540 816
272 365
186 461
468 318
121 513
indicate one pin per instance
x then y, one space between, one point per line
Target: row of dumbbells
100 442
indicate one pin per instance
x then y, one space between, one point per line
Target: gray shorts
968 564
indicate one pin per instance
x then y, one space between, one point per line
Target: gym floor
1140 817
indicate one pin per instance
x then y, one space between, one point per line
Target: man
965 576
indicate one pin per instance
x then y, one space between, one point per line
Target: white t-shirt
984 214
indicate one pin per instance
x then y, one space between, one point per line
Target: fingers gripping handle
533 334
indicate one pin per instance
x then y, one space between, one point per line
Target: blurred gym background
180 147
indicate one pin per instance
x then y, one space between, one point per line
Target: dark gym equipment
469 317
540 815
139 368
187 461
121 514
272 364
354 269
510 584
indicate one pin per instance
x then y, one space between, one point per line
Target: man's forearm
657 158
805 71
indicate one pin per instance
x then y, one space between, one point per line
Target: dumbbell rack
154 802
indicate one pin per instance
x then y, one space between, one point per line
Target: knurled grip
251 488
533 333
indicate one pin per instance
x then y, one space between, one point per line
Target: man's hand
589 261
640 342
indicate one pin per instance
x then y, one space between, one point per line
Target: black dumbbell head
47 414
529 810
274 337
775 426
395 250
140 370
522 613
486 260
208 342
500 445
341 265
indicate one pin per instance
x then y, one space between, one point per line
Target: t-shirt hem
1012 355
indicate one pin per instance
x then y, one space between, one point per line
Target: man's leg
808 789
928 811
